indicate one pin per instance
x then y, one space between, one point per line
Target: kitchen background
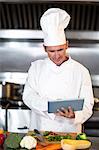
21 42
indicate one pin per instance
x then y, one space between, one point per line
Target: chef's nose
56 54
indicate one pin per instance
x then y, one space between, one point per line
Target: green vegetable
81 136
46 133
13 141
33 134
58 137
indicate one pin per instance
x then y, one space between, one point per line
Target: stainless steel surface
18 120
91 126
21 119
38 34
87 56
95 80
0 90
19 58
95 143
21 34
2 118
13 77
94 117
20 54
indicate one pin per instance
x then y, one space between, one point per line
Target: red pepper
2 138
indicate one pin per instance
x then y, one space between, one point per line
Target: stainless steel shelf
38 34
13 77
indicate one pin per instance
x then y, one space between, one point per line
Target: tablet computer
76 104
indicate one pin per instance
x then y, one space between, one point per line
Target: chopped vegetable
28 142
81 136
68 147
46 133
58 137
77 144
13 141
54 146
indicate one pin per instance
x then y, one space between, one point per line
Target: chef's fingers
68 113
70 109
64 112
60 112
57 113
71 112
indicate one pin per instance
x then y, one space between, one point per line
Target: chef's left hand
68 113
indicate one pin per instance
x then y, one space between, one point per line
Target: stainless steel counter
95 143
91 126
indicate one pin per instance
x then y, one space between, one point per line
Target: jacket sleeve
86 92
31 95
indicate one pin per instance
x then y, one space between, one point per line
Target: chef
57 77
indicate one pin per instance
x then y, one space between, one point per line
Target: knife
40 137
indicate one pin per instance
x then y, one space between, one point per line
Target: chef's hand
68 113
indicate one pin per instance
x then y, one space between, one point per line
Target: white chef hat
53 22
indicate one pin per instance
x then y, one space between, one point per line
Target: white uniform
46 81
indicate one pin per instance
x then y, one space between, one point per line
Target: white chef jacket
47 81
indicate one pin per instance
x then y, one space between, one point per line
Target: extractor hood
26 15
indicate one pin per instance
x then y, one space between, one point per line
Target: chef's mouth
58 63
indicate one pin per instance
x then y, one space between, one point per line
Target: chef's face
57 54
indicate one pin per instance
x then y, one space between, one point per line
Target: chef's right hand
68 113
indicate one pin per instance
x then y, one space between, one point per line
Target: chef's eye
60 50
52 51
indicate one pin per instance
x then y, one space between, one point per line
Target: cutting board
53 145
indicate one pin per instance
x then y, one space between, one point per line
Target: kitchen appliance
18 120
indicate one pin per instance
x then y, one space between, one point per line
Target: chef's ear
44 47
67 43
